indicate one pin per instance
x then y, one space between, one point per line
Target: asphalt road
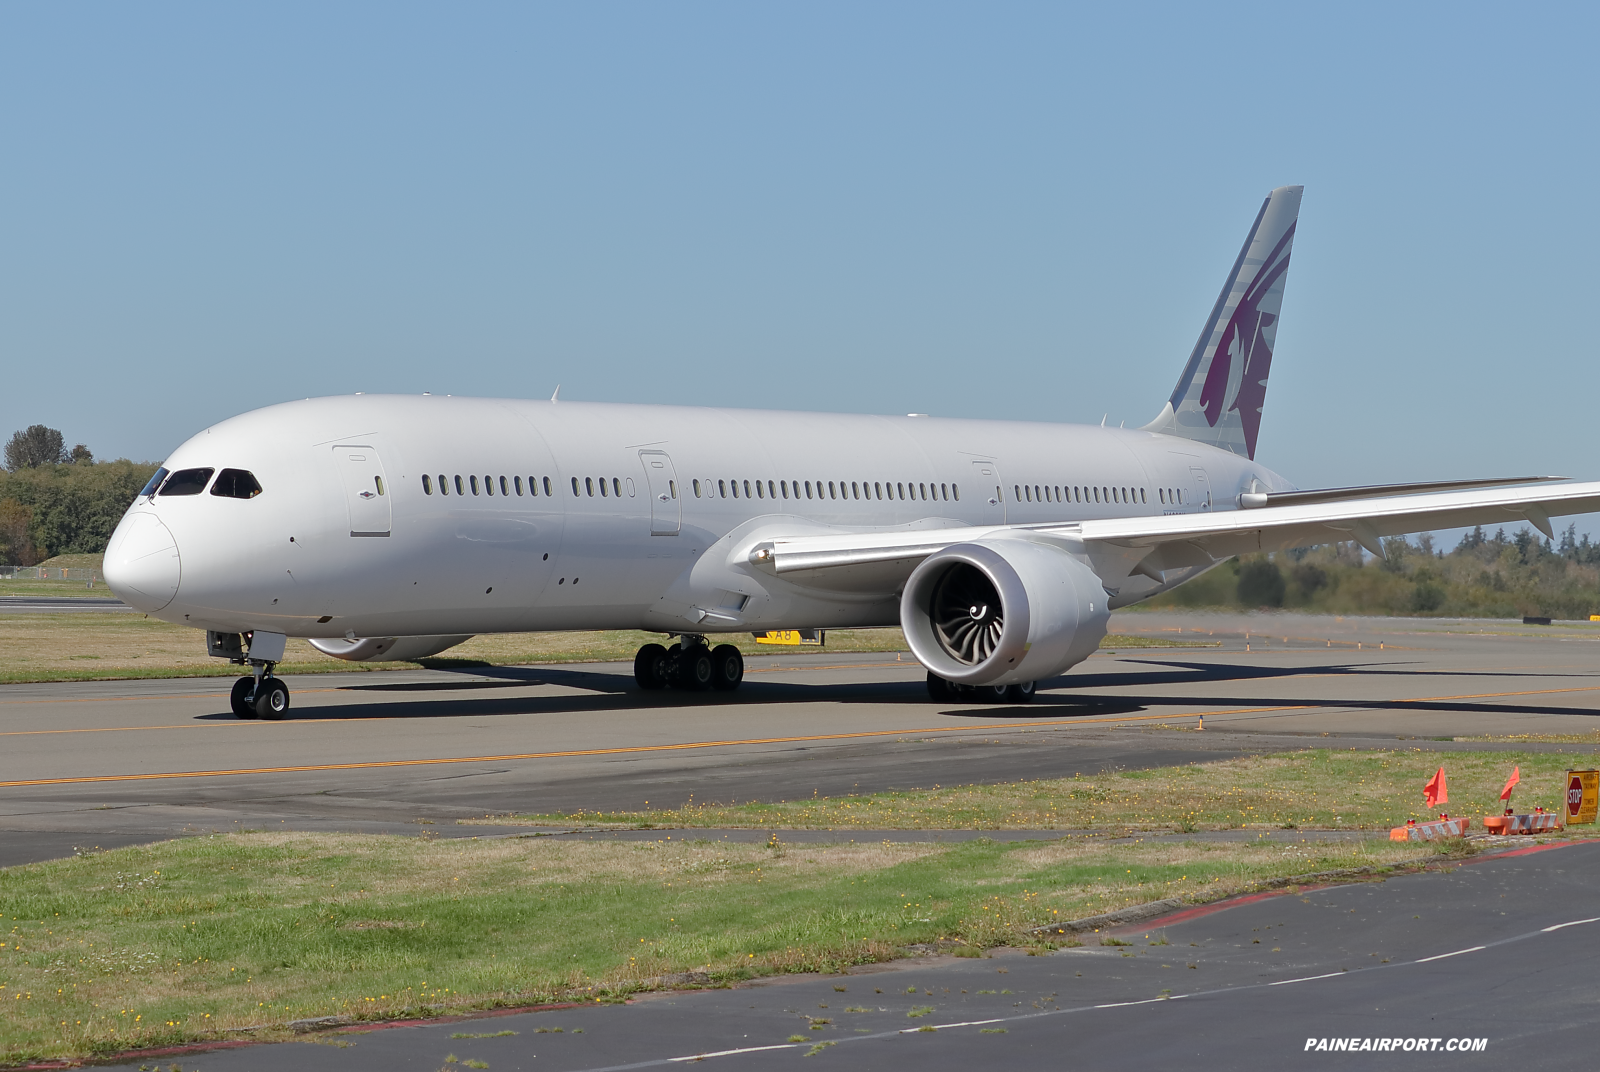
1498 951
102 764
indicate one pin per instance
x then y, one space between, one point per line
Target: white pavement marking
1458 952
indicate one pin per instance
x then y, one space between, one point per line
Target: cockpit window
236 484
155 482
187 482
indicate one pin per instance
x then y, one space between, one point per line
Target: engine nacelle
387 649
1002 612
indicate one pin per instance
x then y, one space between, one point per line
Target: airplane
388 527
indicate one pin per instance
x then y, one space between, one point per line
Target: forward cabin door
366 490
666 508
988 494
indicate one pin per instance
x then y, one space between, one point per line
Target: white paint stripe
941 1027
1574 923
1457 953
730 1053
1122 1004
1309 978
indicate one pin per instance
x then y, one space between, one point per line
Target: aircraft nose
141 564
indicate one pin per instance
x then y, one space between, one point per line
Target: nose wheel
266 697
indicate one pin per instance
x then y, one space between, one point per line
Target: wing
1142 554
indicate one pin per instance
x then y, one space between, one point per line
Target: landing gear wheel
728 667
694 669
1021 692
939 690
240 700
647 666
272 699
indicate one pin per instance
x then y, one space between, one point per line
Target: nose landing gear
261 696
690 665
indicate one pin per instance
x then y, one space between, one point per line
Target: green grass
1317 788
194 939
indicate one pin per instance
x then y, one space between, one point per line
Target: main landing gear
942 691
260 696
689 665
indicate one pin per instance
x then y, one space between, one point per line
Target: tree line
1499 576
56 501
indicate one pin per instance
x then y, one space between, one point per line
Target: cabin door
1202 487
666 508
366 492
988 493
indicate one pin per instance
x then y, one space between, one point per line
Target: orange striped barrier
1430 831
1536 823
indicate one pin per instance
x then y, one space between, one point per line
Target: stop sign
1574 797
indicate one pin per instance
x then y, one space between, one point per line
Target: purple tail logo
1246 341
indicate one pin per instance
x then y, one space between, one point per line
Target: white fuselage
575 515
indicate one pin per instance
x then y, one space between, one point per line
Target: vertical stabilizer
1219 397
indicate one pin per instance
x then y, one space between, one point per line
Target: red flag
1435 790
1516 776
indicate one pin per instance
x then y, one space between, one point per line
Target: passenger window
603 487
772 491
761 492
696 486
616 487
547 490
239 484
672 486
187 482
955 492
783 487
516 482
1143 497
444 485
505 488
831 494
808 489
575 491
427 484
488 485
944 492
747 489
474 482
855 489
154 482
902 489
722 489
378 482
588 485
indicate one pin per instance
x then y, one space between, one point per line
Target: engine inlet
967 614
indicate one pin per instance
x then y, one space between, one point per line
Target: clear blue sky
996 210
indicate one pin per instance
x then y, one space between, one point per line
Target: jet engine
1002 612
387 649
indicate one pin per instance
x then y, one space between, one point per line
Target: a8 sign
1583 795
